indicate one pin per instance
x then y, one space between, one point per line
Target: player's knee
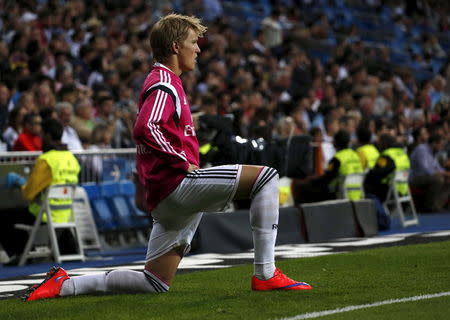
155 284
268 180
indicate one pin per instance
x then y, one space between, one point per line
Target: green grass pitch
340 280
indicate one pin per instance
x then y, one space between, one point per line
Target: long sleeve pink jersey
164 133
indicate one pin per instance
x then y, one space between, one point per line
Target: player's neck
173 65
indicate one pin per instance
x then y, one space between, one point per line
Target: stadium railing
97 166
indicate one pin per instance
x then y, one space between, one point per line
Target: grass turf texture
339 280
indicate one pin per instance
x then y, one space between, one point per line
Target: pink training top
164 133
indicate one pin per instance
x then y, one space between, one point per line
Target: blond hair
169 29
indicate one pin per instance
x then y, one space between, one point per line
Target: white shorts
177 217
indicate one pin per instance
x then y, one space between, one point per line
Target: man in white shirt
70 136
331 127
272 29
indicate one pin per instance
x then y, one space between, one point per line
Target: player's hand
192 167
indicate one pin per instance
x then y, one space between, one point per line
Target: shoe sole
282 289
49 275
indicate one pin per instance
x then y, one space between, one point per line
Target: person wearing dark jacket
377 181
392 158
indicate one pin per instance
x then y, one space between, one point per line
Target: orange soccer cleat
50 287
278 282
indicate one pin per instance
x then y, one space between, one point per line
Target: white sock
115 281
264 271
264 221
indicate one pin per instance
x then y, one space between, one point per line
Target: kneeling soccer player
178 192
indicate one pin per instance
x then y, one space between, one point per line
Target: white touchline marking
362 306
11 288
437 234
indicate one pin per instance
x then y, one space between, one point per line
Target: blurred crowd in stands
272 69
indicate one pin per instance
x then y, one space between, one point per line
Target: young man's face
189 50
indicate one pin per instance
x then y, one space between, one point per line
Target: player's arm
157 109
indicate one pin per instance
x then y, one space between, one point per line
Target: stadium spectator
82 121
429 175
349 123
45 97
105 111
301 116
301 73
97 66
112 81
123 125
273 31
101 138
285 127
82 64
4 101
70 137
68 93
331 127
173 174
420 136
14 128
61 72
27 101
119 121
30 137
383 102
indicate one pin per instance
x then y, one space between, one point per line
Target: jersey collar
157 64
